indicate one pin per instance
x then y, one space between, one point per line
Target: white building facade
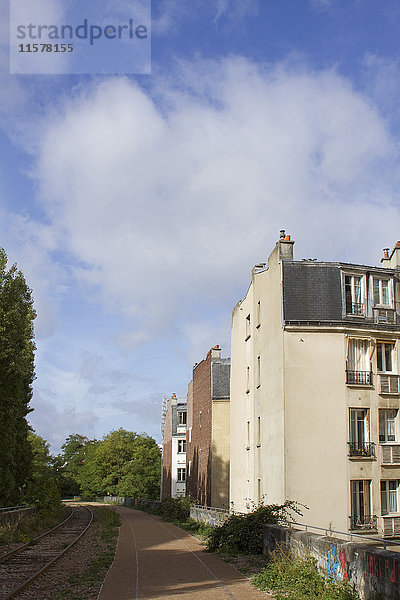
315 391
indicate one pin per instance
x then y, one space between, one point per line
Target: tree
124 463
42 489
16 377
69 463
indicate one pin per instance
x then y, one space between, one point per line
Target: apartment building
173 476
315 390
207 456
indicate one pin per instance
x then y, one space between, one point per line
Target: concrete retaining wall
373 573
208 515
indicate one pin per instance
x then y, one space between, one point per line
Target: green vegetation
16 377
123 463
85 585
298 579
42 489
243 534
30 526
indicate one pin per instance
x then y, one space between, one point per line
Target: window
181 446
385 365
182 474
258 314
259 491
389 496
247 380
359 444
200 418
387 425
247 327
181 418
258 374
358 370
189 467
384 356
200 457
354 294
248 436
361 517
258 431
382 292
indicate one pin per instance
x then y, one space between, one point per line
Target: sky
137 205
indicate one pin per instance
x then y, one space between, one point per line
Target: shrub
299 579
176 509
243 534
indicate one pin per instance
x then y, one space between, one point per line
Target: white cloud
170 15
168 209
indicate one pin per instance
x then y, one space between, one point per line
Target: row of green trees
122 463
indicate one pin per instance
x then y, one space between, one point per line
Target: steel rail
23 585
4 557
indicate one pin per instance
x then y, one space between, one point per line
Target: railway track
21 566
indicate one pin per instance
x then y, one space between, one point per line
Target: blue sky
137 205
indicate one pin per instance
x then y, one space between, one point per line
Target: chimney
392 260
216 352
285 246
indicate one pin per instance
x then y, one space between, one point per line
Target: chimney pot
282 234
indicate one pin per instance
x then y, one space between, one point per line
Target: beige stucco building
315 390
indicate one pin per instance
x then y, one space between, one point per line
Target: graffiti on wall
382 568
337 563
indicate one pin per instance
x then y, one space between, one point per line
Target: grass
85 585
30 526
299 579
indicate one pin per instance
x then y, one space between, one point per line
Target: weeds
299 579
29 527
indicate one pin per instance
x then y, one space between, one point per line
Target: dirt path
158 560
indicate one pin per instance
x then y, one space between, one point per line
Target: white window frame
389 496
382 344
181 444
380 279
181 476
361 500
388 425
358 433
353 298
181 417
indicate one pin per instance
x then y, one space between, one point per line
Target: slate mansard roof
312 293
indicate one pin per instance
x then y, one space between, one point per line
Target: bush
243 534
299 580
176 509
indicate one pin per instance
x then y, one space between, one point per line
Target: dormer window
382 292
354 289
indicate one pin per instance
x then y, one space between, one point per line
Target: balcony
358 377
355 309
363 522
361 449
389 384
390 454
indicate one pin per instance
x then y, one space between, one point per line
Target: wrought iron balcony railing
355 308
361 449
359 377
363 522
